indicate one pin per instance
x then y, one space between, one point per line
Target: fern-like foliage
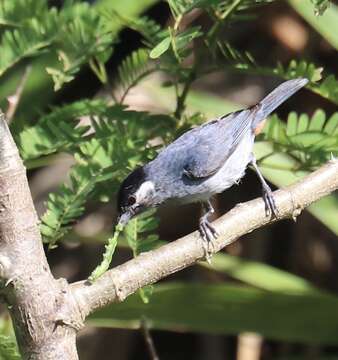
67 205
221 8
151 31
117 143
237 59
97 161
140 238
81 38
60 130
77 34
134 68
311 141
326 87
16 13
29 38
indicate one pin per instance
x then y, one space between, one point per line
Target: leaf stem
180 104
217 25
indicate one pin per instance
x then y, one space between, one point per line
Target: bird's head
136 194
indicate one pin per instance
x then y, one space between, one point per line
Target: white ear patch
146 190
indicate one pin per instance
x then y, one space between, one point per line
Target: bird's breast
234 167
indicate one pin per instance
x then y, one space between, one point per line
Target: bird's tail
277 97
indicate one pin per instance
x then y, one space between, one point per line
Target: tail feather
277 97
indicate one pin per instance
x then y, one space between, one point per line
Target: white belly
230 173
233 169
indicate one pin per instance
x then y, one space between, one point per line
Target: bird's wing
214 142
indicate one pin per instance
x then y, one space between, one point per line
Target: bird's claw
208 234
270 204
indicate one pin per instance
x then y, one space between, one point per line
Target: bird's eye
131 200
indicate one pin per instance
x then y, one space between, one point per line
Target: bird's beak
124 218
129 214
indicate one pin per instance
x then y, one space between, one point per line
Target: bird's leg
270 205
208 232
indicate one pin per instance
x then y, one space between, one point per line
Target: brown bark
39 305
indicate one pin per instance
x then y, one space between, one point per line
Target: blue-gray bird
203 162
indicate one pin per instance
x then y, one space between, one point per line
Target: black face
125 197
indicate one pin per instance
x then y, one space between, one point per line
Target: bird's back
206 149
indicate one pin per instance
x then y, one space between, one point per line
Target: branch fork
47 313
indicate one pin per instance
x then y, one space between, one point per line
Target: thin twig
14 99
180 105
149 340
217 25
135 82
117 284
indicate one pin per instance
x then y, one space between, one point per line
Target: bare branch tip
2 116
296 212
333 158
3 123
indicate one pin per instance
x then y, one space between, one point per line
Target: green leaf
181 7
28 41
67 205
245 63
8 348
139 240
219 7
260 275
57 131
59 77
160 48
151 31
326 210
16 13
77 34
130 8
107 256
116 143
133 69
307 140
229 309
84 35
184 38
146 293
39 87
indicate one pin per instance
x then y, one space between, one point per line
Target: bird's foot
270 204
208 234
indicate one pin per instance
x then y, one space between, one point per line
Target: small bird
203 162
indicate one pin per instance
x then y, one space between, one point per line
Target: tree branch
14 99
42 308
47 312
122 281
149 340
